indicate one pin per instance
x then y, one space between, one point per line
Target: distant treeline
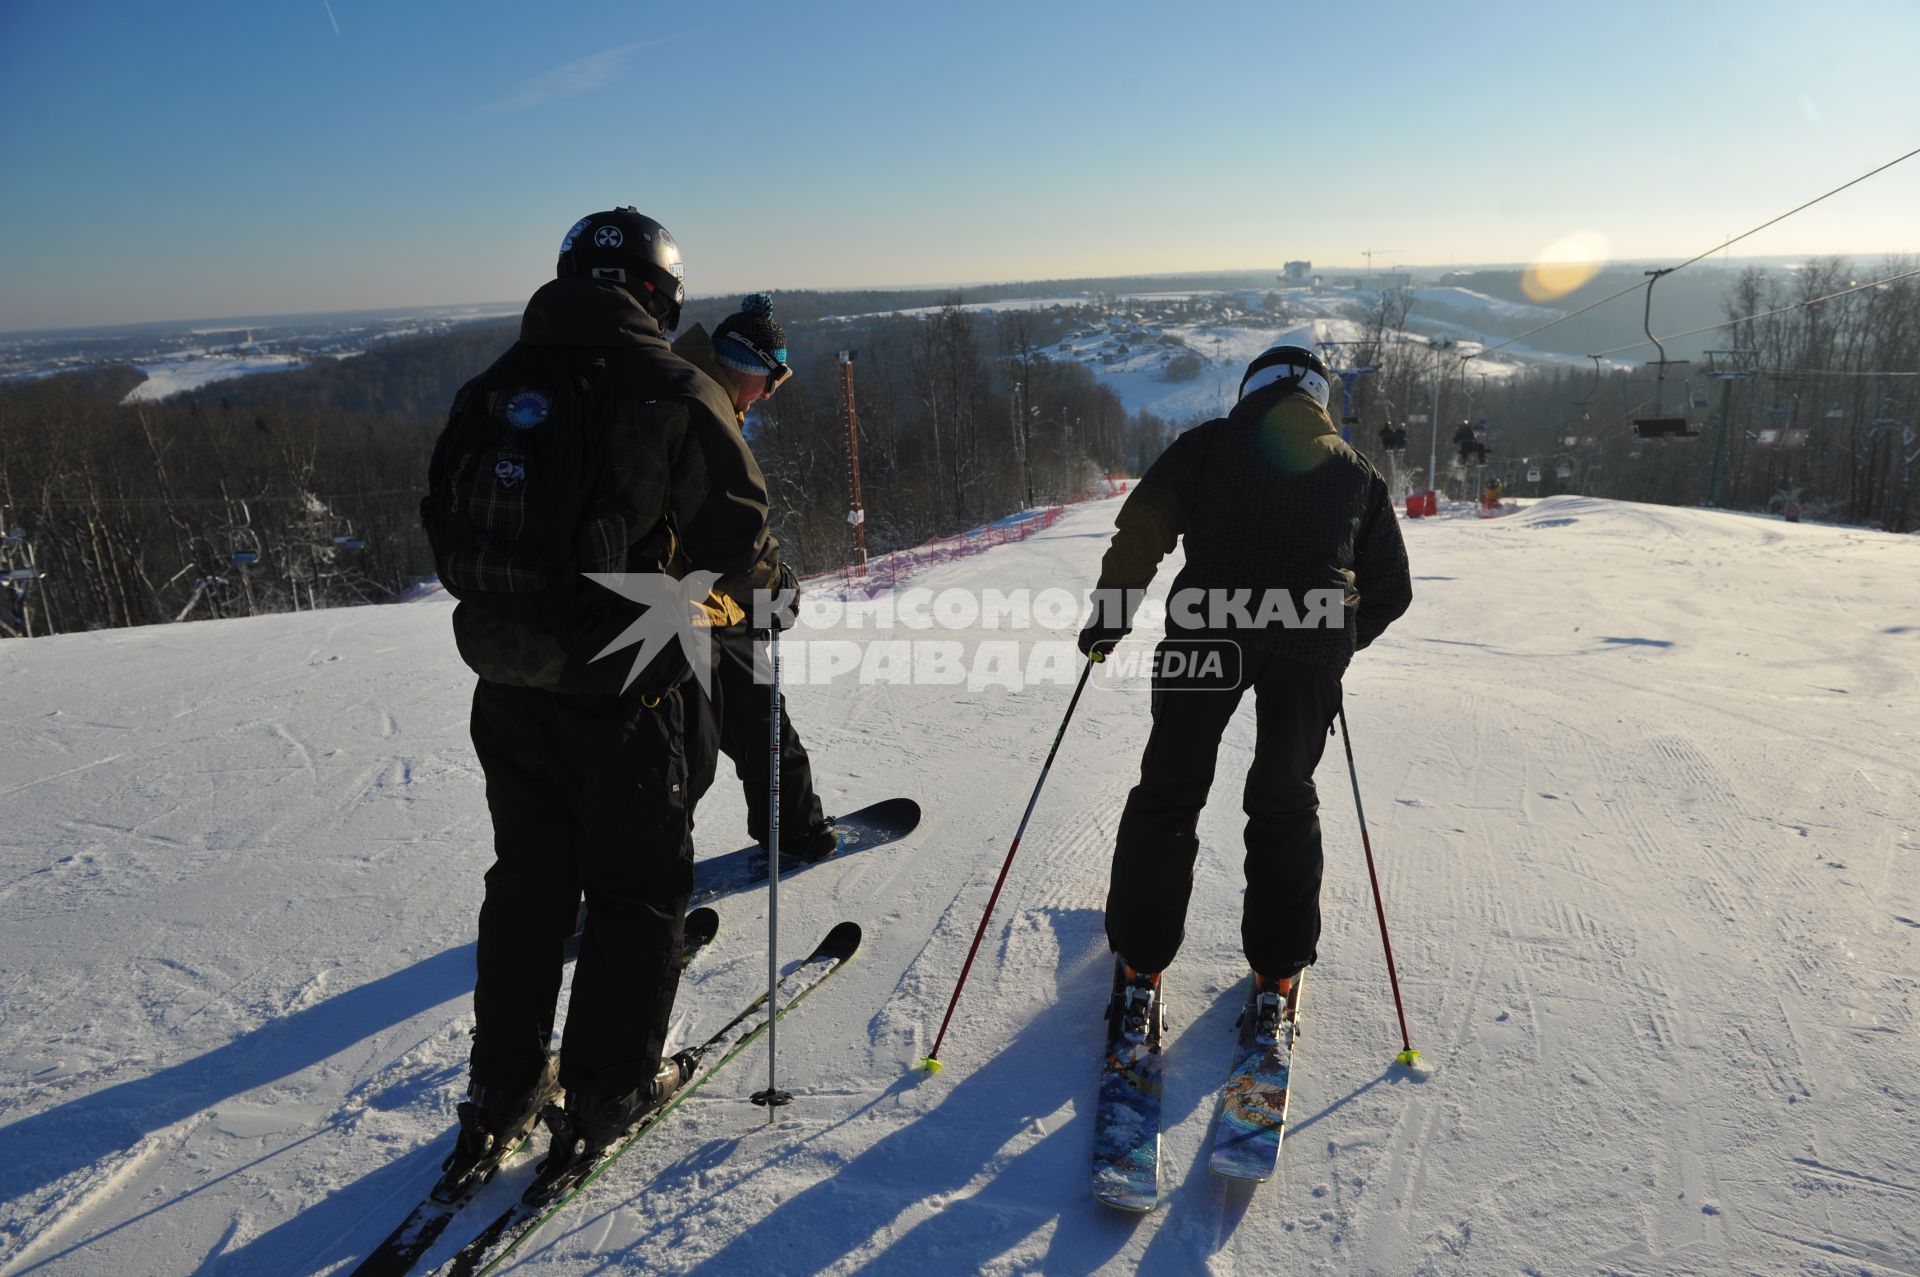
300 490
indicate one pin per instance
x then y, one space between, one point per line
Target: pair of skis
872 826
418 1232
1247 1127
548 1195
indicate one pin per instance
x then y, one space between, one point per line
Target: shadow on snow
41 1149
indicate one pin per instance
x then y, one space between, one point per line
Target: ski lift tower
1728 366
1437 345
1336 354
856 512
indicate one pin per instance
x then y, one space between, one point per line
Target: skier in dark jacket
589 781
747 358
1293 554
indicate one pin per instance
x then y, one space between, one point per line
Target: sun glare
1565 265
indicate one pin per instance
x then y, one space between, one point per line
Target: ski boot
1267 1008
589 1125
1133 1012
1260 1018
492 1124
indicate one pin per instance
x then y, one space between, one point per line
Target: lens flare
1564 265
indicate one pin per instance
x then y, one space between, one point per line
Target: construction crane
1368 253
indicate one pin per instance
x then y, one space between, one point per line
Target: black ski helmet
626 247
1292 366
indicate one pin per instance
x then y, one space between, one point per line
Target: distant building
1296 273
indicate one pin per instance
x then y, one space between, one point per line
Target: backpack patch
528 409
513 485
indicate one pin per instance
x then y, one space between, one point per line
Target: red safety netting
890 571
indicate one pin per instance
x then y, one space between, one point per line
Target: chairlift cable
1790 212
1487 350
1765 314
1830 372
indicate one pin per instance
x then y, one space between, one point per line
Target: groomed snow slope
1642 786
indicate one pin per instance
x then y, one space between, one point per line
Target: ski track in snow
1641 789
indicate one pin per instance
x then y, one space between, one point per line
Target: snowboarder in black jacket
1293 557
746 356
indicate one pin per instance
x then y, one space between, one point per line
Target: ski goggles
775 360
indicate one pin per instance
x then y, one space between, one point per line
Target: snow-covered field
1468 301
1642 786
192 370
1137 374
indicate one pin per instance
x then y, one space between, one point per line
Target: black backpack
517 503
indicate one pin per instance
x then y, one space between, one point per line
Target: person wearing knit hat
747 357
749 341
747 353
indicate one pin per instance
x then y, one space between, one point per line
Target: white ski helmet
1293 366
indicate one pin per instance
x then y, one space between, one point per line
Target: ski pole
1408 1056
932 1063
773 1097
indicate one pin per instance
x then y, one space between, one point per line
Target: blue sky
216 157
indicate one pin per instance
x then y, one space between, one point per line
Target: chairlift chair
1533 474
1664 428
243 546
344 538
1659 425
1563 469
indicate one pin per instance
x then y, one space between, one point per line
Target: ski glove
1097 640
1110 621
786 597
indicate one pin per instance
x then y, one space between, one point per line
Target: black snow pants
1295 704
589 795
740 706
